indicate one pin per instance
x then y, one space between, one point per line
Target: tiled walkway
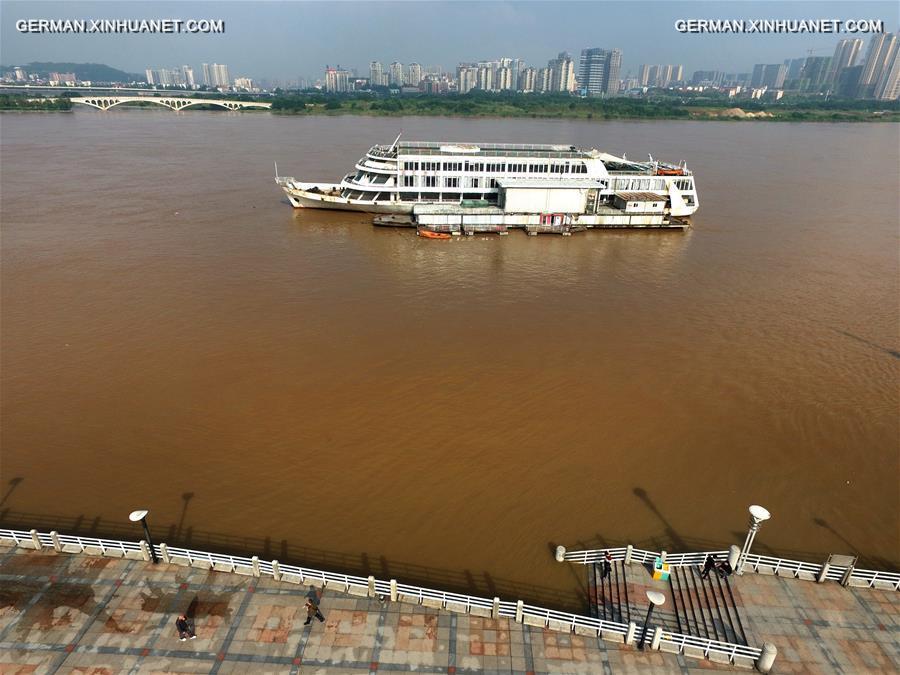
817 628
79 614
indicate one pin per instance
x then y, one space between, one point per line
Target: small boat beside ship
492 187
431 234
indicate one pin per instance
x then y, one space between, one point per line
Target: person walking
606 566
312 610
724 569
184 628
708 565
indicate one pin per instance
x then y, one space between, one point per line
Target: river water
311 388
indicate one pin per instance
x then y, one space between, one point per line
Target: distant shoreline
852 119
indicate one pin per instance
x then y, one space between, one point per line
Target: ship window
451 182
409 181
475 182
430 181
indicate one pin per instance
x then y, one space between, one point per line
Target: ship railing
760 564
518 611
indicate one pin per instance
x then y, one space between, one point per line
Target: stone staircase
609 597
705 607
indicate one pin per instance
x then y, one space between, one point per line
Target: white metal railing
753 563
730 649
518 611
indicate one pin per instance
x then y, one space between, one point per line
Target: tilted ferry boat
429 178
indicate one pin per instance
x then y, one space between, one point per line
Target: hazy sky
290 39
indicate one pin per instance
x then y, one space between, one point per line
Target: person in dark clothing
724 569
708 566
312 610
606 566
184 628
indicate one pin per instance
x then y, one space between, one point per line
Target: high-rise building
413 75
526 80
847 84
151 79
815 72
598 71
888 88
376 74
794 68
660 76
188 74
759 71
879 59
466 77
243 83
504 80
485 80
396 73
562 73
769 75
644 75
337 80
846 55
708 78
542 80
216 75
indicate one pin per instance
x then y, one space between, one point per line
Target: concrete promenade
72 613
817 628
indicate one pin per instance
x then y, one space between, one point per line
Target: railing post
254 563
560 553
662 557
766 658
164 551
823 573
657 637
495 609
145 551
371 586
35 539
628 551
57 545
276 570
393 590
629 636
520 610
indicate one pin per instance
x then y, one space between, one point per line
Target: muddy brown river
310 388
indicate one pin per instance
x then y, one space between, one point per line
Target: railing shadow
470 582
672 541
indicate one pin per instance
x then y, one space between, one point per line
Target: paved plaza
80 614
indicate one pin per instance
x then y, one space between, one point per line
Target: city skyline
273 41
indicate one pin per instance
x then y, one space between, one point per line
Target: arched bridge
173 102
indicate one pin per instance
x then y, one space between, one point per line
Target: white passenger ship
405 176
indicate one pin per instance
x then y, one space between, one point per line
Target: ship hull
304 199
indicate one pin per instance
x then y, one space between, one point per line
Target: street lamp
140 516
758 515
655 598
